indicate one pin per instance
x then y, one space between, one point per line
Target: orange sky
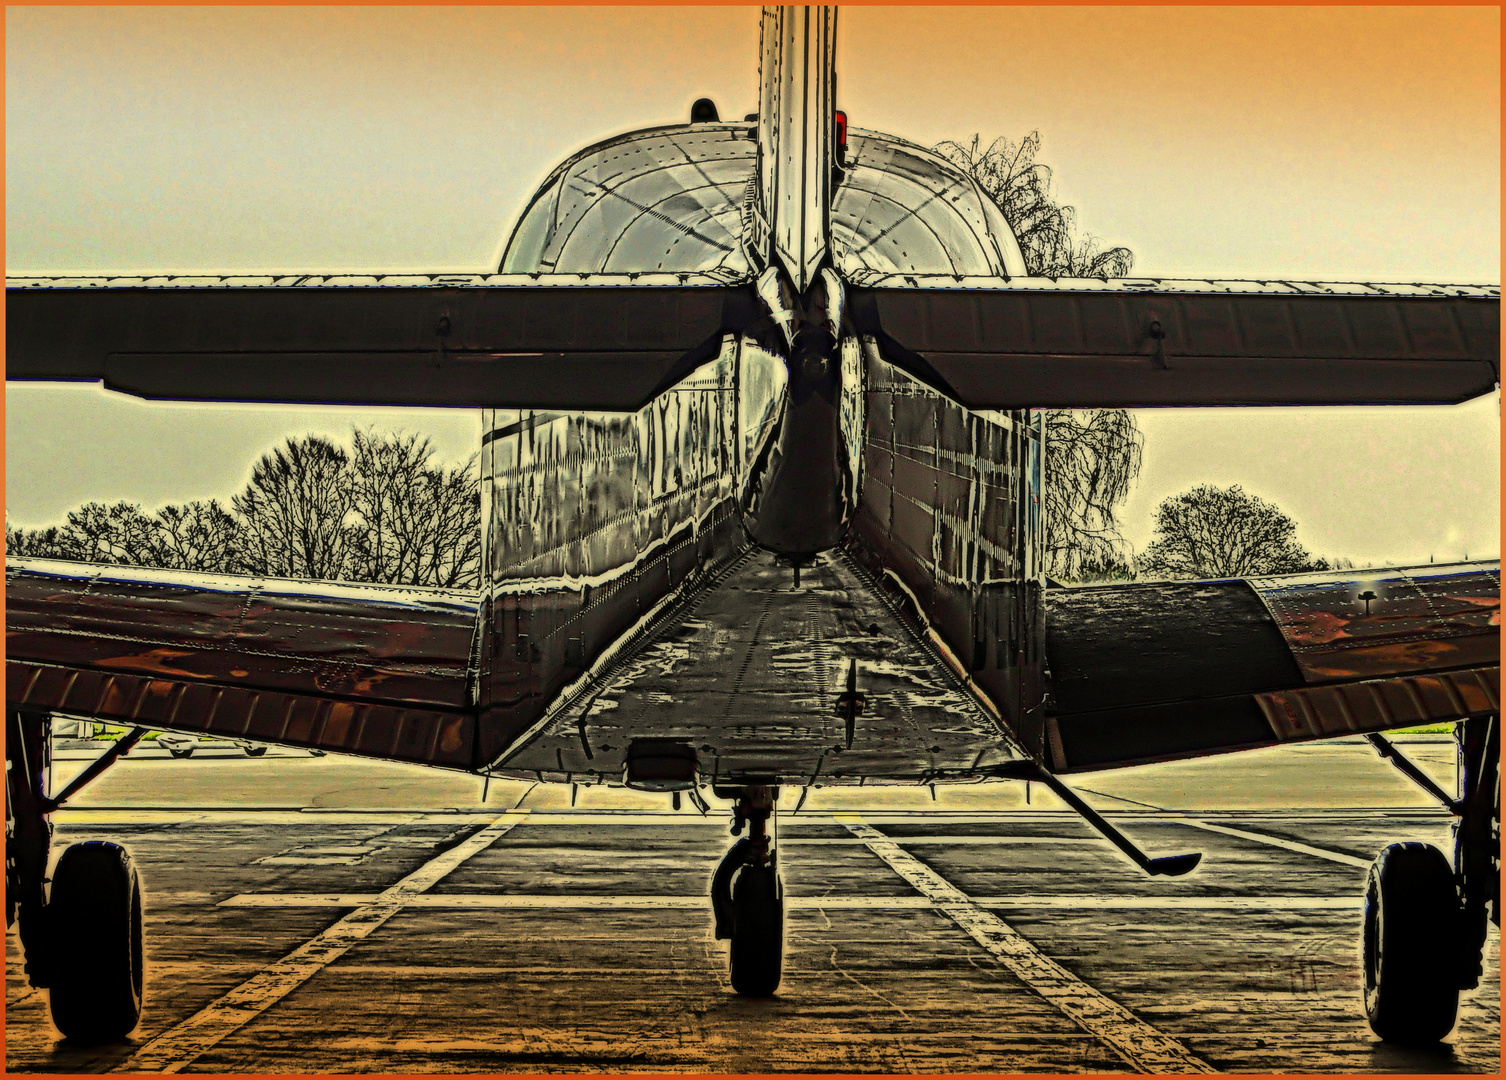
1327 142
1287 130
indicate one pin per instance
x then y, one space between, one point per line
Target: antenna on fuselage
790 211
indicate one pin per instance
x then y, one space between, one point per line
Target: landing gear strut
747 899
82 936
1425 921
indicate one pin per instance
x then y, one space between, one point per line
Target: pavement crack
861 985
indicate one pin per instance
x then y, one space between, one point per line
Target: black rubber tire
756 958
186 752
95 921
1412 945
255 751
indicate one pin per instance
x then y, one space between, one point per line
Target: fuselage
801 437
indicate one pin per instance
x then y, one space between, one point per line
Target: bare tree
1092 458
383 512
1213 532
196 536
294 510
1008 173
32 543
118 534
415 523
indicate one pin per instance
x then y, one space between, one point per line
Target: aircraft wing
1161 670
363 669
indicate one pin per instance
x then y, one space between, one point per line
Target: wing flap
360 669
417 735
1316 712
1162 670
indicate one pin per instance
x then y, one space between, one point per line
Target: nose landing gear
747 898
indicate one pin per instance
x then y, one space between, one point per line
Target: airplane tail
796 140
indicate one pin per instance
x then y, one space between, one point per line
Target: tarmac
330 915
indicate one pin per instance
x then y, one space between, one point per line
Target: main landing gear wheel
757 953
95 921
1412 945
186 752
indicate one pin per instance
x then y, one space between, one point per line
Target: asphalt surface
374 918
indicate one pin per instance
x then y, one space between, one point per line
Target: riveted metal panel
903 210
1415 619
662 200
506 345
1319 712
1174 345
948 529
592 521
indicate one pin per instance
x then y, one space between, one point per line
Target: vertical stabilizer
797 99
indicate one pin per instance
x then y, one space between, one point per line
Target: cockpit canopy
675 199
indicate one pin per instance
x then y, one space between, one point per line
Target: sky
1339 144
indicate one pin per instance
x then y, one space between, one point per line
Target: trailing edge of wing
610 342
1162 670
381 671
1121 344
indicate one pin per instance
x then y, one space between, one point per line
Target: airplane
717 360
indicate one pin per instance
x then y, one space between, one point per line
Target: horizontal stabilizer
610 345
1121 344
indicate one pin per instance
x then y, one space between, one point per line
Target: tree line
380 511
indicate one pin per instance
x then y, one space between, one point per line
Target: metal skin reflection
800 490
599 525
595 521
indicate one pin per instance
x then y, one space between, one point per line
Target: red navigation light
841 130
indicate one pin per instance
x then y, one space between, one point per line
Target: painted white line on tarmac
157 815
852 841
177 1047
1144 1047
1278 842
545 902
